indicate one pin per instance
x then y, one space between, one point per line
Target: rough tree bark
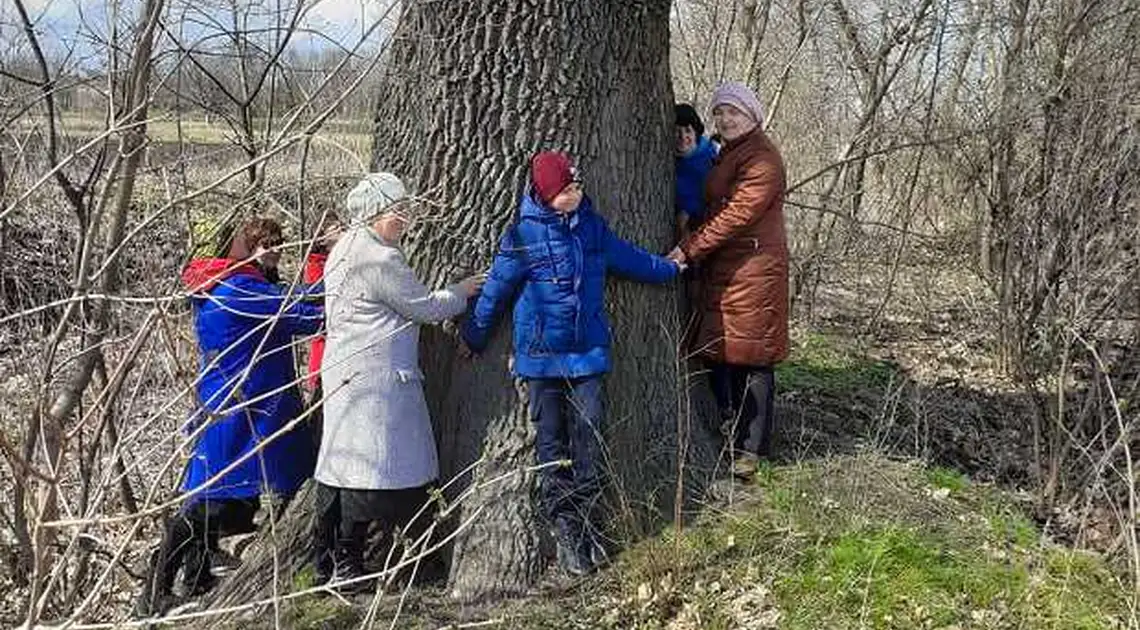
496 81
472 89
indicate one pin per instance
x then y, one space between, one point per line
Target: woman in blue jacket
555 259
695 157
245 440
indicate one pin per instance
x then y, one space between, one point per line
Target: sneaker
348 570
223 563
204 584
745 465
340 581
727 428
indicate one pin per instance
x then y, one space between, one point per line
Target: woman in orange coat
742 324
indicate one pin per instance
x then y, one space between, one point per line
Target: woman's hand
678 258
471 285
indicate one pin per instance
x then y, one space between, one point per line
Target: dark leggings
343 515
191 534
745 396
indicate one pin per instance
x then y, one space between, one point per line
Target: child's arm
507 272
631 261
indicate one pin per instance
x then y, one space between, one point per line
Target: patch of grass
326 613
1011 526
946 478
820 362
893 578
848 543
194 129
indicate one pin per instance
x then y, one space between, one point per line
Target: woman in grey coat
378 457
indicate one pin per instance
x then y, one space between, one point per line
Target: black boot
197 578
325 526
573 547
156 596
595 547
348 564
182 535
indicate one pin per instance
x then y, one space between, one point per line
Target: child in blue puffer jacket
555 259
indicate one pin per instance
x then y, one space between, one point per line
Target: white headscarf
373 195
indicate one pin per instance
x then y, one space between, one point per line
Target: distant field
196 130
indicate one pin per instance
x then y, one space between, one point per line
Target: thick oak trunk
475 89
472 89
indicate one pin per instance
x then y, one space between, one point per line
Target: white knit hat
375 193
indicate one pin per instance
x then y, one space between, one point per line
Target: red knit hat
550 172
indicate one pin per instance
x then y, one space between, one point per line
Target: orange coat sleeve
758 186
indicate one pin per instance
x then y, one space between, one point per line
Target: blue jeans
568 414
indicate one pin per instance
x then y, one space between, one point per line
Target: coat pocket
536 346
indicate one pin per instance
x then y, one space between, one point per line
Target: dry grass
850 542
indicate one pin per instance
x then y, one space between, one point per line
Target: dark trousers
568 415
745 396
190 536
343 516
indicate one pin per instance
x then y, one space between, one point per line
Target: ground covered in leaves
850 542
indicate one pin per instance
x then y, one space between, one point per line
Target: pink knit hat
739 96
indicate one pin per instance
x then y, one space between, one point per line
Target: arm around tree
631 261
507 272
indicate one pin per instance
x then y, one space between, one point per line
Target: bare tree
112 190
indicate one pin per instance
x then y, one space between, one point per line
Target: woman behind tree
314 273
695 155
243 445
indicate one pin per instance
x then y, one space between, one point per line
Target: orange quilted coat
742 311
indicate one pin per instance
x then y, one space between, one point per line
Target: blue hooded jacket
557 266
233 321
692 170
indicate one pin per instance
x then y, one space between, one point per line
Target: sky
69 24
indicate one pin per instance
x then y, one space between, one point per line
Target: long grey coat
377 432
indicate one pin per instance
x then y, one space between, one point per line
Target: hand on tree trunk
678 258
471 285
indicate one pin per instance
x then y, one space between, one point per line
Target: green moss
893 578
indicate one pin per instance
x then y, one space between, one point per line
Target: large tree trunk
473 88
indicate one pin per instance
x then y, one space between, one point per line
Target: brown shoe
744 466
